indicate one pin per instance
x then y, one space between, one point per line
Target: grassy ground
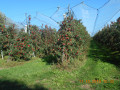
38 75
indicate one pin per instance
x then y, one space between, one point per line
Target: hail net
94 17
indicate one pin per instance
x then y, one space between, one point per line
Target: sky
16 9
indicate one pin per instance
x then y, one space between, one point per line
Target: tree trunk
63 56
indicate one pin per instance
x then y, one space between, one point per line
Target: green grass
5 63
39 75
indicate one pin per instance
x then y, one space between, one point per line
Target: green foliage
49 37
21 48
73 40
38 72
7 37
23 45
2 19
110 36
37 42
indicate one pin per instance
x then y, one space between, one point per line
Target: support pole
2 54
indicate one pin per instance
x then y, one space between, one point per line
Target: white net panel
86 14
58 15
41 19
106 13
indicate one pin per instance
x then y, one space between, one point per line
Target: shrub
110 36
7 38
21 48
37 43
66 44
72 41
49 37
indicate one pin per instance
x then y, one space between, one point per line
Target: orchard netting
94 17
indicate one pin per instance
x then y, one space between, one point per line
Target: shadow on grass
49 59
100 52
15 85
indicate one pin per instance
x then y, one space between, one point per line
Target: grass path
38 75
